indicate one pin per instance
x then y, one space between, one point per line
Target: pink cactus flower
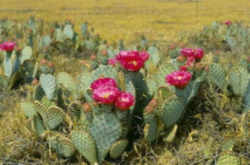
124 101
228 22
112 61
183 68
198 53
179 79
132 60
187 52
103 82
8 46
144 55
195 53
105 94
190 61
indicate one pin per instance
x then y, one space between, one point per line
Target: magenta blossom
144 55
228 22
105 95
132 60
112 61
194 53
124 101
103 82
190 61
183 68
8 46
179 79
198 53
187 52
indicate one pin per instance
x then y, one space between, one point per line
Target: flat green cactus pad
28 109
66 80
37 125
55 117
150 128
172 111
238 80
217 75
48 83
105 129
85 145
117 148
62 145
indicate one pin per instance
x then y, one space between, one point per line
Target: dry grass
158 19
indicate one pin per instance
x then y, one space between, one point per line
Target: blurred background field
126 19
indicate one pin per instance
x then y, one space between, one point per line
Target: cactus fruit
238 80
105 129
85 145
117 148
48 83
217 76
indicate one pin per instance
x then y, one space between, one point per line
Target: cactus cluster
94 114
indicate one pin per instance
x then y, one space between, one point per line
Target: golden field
125 19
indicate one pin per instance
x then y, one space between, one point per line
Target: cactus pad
217 75
55 117
85 144
62 145
66 80
117 148
150 128
105 129
238 80
48 83
28 109
37 125
172 111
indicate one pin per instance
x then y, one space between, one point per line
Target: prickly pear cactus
26 54
48 83
37 125
85 145
217 76
68 31
67 81
29 109
154 58
247 99
117 148
52 116
151 127
171 111
105 129
11 64
62 145
238 80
